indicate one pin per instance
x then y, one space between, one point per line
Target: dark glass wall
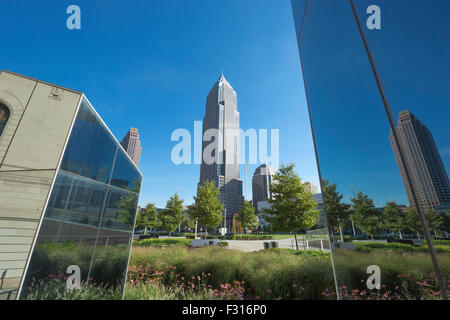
90 216
388 176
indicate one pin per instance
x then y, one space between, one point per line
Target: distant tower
421 156
262 178
311 187
132 145
222 114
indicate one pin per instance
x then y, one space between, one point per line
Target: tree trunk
418 235
435 233
145 230
400 233
340 232
206 231
371 236
296 241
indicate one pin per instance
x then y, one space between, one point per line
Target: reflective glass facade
90 216
377 91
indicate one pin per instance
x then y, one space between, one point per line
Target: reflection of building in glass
68 191
427 172
222 115
319 200
132 145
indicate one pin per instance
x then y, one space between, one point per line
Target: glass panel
356 159
412 60
91 149
67 235
125 174
115 235
88 221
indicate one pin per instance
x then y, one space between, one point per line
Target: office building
262 178
222 117
311 187
423 161
68 190
132 145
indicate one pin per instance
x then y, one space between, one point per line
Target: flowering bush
163 274
411 286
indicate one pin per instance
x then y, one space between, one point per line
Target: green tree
207 207
434 221
292 208
336 211
413 221
172 216
365 215
247 216
189 221
147 218
394 219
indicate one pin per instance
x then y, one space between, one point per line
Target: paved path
255 245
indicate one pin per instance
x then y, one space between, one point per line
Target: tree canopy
247 217
172 216
207 207
336 211
292 207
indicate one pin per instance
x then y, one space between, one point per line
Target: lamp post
196 225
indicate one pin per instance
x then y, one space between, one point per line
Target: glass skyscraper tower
424 163
221 130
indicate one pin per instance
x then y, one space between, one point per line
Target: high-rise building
132 145
311 187
222 117
64 180
424 164
262 178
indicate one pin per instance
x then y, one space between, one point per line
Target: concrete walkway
256 245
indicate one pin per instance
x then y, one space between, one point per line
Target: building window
4 116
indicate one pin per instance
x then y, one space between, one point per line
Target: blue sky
151 64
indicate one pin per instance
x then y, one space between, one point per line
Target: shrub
372 246
165 241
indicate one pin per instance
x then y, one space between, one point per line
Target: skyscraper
427 172
223 118
132 145
262 178
311 187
